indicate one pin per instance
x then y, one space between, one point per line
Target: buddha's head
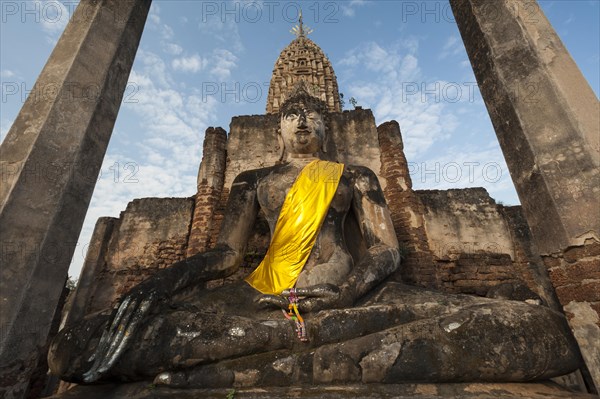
302 124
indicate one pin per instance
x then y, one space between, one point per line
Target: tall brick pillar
406 210
547 119
49 164
211 177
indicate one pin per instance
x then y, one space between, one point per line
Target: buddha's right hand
123 324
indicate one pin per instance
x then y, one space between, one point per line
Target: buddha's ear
281 145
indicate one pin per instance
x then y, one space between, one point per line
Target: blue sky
202 62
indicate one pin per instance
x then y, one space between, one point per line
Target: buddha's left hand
323 296
126 317
312 299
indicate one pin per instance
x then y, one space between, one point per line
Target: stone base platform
544 390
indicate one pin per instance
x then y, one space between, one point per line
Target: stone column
547 119
95 260
49 164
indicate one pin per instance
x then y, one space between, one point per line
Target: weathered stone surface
464 221
546 117
528 263
171 340
386 351
457 240
152 233
576 276
397 334
253 143
545 390
95 262
40 384
514 291
50 161
475 244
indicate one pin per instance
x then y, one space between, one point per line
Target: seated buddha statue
309 313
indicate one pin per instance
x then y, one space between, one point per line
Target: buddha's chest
273 189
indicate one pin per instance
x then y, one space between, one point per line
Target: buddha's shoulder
255 175
359 172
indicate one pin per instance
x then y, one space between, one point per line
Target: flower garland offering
294 314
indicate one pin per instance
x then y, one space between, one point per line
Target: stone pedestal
49 164
364 391
547 119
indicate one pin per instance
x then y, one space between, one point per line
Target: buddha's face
302 130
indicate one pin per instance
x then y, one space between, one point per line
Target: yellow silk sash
297 227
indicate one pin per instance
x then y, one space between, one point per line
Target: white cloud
193 64
569 20
223 62
453 46
167 32
394 90
160 162
436 117
172 48
467 166
350 60
349 9
156 69
6 74
226 32
154 22
154 15
220 64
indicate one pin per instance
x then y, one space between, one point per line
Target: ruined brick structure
457 241
481 254
210 187
152 233
575 274
551 146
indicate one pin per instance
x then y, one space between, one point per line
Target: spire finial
301 30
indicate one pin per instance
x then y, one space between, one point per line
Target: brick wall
211 177
575 274
499 250
152 233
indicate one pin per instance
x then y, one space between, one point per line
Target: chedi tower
304 60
